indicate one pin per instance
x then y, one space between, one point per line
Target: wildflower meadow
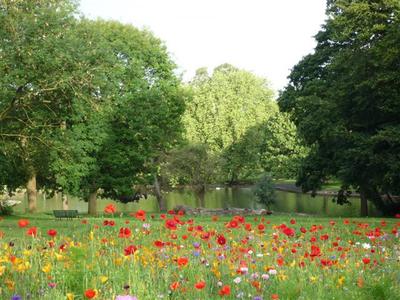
174 256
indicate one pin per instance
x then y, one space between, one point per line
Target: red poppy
366 260
131 249
225 290
315 251
303 230
159 244
221 240
171 212
289 231
200 285
110 209
84 221
232 224
141 215
23 223
247 226
170 224
274 297
52 232
182 261
173 286
90 293
292 221
261 227
32 231
397 216
124 232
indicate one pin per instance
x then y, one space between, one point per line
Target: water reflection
241 197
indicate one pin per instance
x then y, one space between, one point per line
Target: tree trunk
364 203
92 203
200 195
32 193
157 192
65 201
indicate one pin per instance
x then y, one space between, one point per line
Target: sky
266 37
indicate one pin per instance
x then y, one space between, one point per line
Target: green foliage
265 191
85 104
273 147
344 99
223 107
192 165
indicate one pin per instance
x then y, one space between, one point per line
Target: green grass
93 258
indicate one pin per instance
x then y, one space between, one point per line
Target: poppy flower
140 215
23 223
170 224
366 260
225 290
221 240
131 249
110 209
159 244
90 293
124 232
261 227
292 221
32 231
200 285
289 231
182 261
173 286
232 224
52 232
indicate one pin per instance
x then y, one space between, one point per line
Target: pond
220 197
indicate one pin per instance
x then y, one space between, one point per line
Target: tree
272 146
193 165
265 191
42 77
224 106
344 99
115 148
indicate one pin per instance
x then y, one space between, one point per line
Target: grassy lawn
183 257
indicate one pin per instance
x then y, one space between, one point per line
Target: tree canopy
345 101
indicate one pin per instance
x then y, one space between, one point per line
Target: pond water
241 197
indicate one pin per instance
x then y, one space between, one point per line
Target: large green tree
44 74
116 147
223 107
345 100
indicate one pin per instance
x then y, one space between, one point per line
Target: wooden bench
66 214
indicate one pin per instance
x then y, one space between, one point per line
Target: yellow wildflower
70 296
103 279
46 268
340 281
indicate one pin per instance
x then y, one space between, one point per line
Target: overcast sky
267 37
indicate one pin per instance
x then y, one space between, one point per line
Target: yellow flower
103 279
2 269
313 278
70 296
27 253
10 284
46 268
340 280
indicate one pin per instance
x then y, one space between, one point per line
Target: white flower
250 252
237 280
272 272
244 270
260 255
265 276
366 246
219 283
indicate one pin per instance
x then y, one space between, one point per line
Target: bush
265 191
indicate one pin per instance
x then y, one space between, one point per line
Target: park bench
66 214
